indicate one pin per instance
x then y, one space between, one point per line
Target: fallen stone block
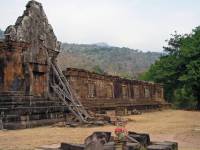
134 141
142 138
98 136
172 145
133 146
67 146
159 147
109 146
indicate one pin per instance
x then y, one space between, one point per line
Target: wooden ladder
61 87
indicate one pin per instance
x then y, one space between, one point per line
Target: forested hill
101 58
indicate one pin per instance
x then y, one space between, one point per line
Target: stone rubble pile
134 141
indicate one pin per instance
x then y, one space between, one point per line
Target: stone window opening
91 90
37 74
146 92
38 84
124 91
109 91
159 93
136 92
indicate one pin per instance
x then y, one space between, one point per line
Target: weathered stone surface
1 124
67 146
159 147
109 146
103 137
103 141
133 146
24 54
142 138
26 78
25 71
33 28
171 145
114 93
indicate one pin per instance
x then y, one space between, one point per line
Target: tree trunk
198 104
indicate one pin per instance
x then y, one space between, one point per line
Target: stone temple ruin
112 94
34 91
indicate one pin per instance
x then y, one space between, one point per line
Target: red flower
119 130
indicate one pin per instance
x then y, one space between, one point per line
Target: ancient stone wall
105 91
11 74
18 75
26 54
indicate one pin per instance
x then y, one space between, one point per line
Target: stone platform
24 111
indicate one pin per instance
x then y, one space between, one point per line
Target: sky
137 24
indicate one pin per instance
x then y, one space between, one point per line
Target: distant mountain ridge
102 44
123 61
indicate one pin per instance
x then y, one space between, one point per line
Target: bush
184 99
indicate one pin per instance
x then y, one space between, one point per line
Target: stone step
19 96
12 93
33 110
25 99
11 118
29 103
124 102
145 106
30 124
17 117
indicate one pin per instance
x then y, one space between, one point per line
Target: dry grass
175 125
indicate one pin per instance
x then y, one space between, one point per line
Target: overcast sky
138 24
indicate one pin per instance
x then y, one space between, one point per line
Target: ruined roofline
10 45
68 72
33 27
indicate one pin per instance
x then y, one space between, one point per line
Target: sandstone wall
25 52
102 91
16 74
26 98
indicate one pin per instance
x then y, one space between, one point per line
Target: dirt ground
175 125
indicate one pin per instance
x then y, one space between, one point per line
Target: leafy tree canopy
179 69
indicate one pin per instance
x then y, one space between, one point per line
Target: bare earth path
176 125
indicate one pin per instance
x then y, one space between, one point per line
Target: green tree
179 69
97 69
